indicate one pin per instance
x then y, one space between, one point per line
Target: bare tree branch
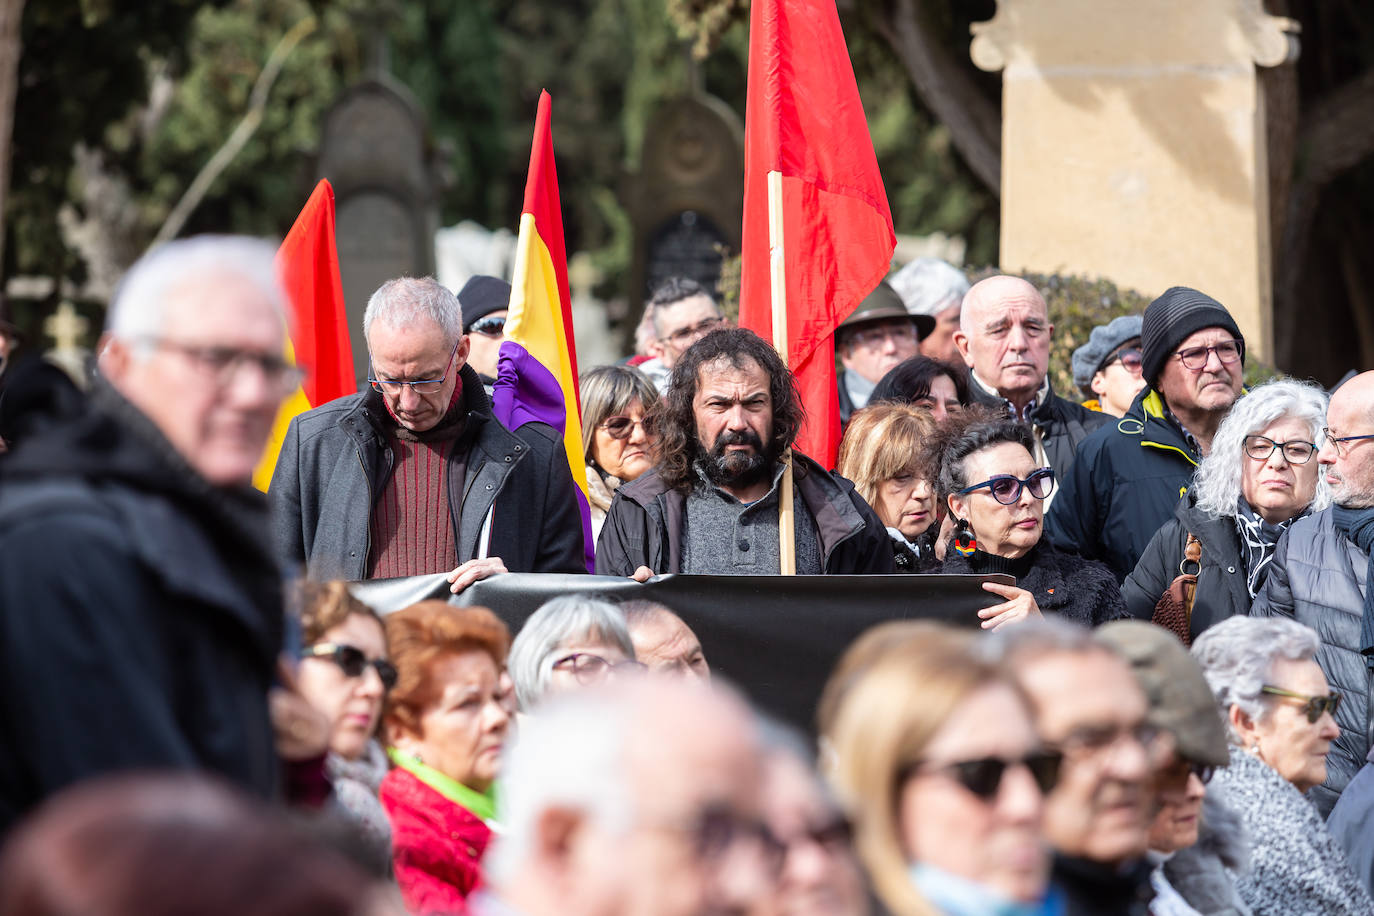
240 136
975 124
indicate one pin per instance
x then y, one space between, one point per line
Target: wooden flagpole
787 548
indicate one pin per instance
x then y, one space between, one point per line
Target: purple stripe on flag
527 392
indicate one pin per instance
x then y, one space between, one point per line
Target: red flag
309 265
803 119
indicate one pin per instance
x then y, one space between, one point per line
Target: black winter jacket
336 460
644 525
1221 590
1060 423
1082 591
1123 487
140 612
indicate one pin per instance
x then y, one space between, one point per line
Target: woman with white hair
1260 476
570 642
1280 717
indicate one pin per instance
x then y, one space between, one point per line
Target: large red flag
804 120
308 264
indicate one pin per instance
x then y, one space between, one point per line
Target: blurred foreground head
195 339
157 845
935 755
641 797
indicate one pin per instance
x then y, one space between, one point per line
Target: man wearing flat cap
1193 839
1107 369
1128 476
876 336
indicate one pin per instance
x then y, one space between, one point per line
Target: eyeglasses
872 338
1006 488
620 427
1296 451
983 776
683 336
1092 741
1130 358
1228 351
591 669
1335 441
1176 776
353 661
488 326
832 835
224 363
422 386
717 832
1312 706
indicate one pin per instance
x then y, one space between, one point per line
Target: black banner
776 637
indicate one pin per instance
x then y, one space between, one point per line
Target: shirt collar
1023 415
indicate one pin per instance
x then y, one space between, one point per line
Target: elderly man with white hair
140 605
645 800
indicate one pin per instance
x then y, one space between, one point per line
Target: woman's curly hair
674 420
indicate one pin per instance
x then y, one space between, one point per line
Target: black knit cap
1170 319
481 296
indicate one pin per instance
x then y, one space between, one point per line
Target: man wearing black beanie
1128 478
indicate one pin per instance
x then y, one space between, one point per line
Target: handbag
1174 610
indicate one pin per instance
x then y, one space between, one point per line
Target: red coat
436 846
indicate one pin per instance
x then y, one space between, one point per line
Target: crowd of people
1163 706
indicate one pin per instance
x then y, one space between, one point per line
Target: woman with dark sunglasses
1260 476
344 673
995 490
932 749
615 439
1280 713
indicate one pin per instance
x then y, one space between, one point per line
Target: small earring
963 538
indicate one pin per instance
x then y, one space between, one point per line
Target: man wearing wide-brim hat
877 335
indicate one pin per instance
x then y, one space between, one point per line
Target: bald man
1322 576
1004 338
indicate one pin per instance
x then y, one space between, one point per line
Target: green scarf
482 804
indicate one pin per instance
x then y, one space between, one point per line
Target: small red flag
803 118
309 265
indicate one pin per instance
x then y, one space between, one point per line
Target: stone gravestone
687 200
1133 143
374 149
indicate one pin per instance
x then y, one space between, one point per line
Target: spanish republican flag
308 264
536 377
804 120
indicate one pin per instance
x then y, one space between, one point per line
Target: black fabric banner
776 637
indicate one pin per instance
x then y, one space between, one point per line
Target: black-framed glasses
683 336
1228 351
1130 358
589 668
1295 451
353 661
620 427
983 776
489 326
420 386
1312 706
1176 775
1336 441
1006 488
225 363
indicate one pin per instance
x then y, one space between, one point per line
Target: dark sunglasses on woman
620 427
1006 488
353 661
983 776
1312 706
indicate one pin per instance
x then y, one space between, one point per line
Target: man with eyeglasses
485 302
1322 575
1107 369
141 614
876 337
683 312
644 800
1088 705
414 475
1129 476
1004 338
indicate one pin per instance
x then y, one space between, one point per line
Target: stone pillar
1133 143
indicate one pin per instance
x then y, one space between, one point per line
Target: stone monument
1133 143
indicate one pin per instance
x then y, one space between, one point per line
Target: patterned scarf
1358 525
1259 539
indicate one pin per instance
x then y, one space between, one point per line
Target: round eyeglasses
1006 488
1295 451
